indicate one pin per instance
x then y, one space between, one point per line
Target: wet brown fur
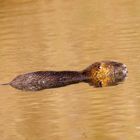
99 74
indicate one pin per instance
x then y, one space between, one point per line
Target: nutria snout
99 74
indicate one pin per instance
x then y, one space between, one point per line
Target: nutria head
105 73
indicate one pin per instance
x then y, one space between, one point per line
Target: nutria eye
99 67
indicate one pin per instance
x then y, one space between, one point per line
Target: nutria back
46 79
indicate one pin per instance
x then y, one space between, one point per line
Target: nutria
99 74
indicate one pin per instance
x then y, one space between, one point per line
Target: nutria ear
96 85
95 66
100 84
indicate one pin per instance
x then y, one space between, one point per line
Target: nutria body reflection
99 74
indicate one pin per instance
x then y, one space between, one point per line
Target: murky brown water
69 35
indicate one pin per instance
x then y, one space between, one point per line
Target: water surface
69 35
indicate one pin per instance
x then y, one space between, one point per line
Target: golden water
69 35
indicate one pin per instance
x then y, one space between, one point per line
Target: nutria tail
5 84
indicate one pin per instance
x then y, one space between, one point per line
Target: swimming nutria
99 74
